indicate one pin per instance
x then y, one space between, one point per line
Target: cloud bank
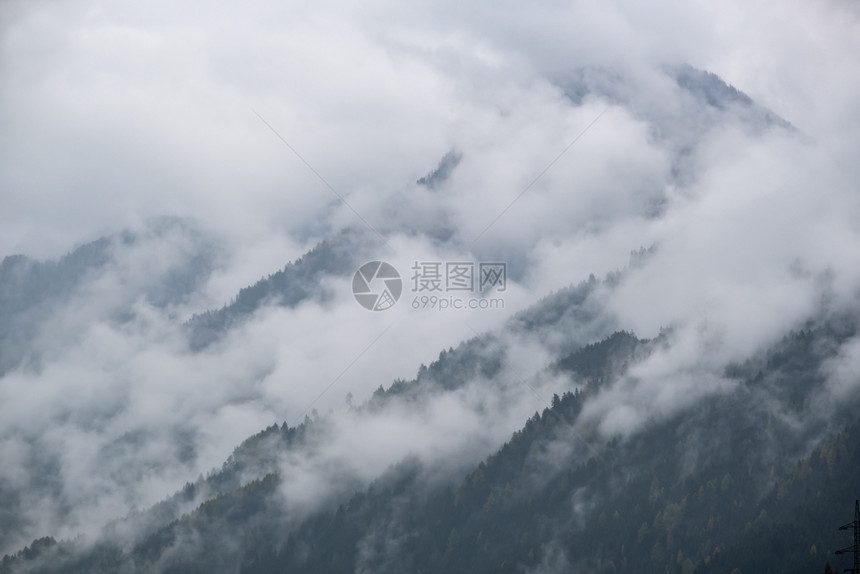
116 113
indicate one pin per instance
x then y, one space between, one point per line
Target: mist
268 128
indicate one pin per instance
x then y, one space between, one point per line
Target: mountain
32 292
681 106
29 290
298 281
441 172
657 454
734 484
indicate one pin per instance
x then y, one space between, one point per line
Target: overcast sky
114 113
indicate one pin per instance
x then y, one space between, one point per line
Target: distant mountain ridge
760 469
32 291
296 282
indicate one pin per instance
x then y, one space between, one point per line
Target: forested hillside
755 480
445 288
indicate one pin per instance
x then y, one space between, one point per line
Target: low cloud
116 115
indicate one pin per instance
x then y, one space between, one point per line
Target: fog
114 114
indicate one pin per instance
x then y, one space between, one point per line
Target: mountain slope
296 282
702 491
655 455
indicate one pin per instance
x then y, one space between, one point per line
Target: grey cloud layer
115 114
